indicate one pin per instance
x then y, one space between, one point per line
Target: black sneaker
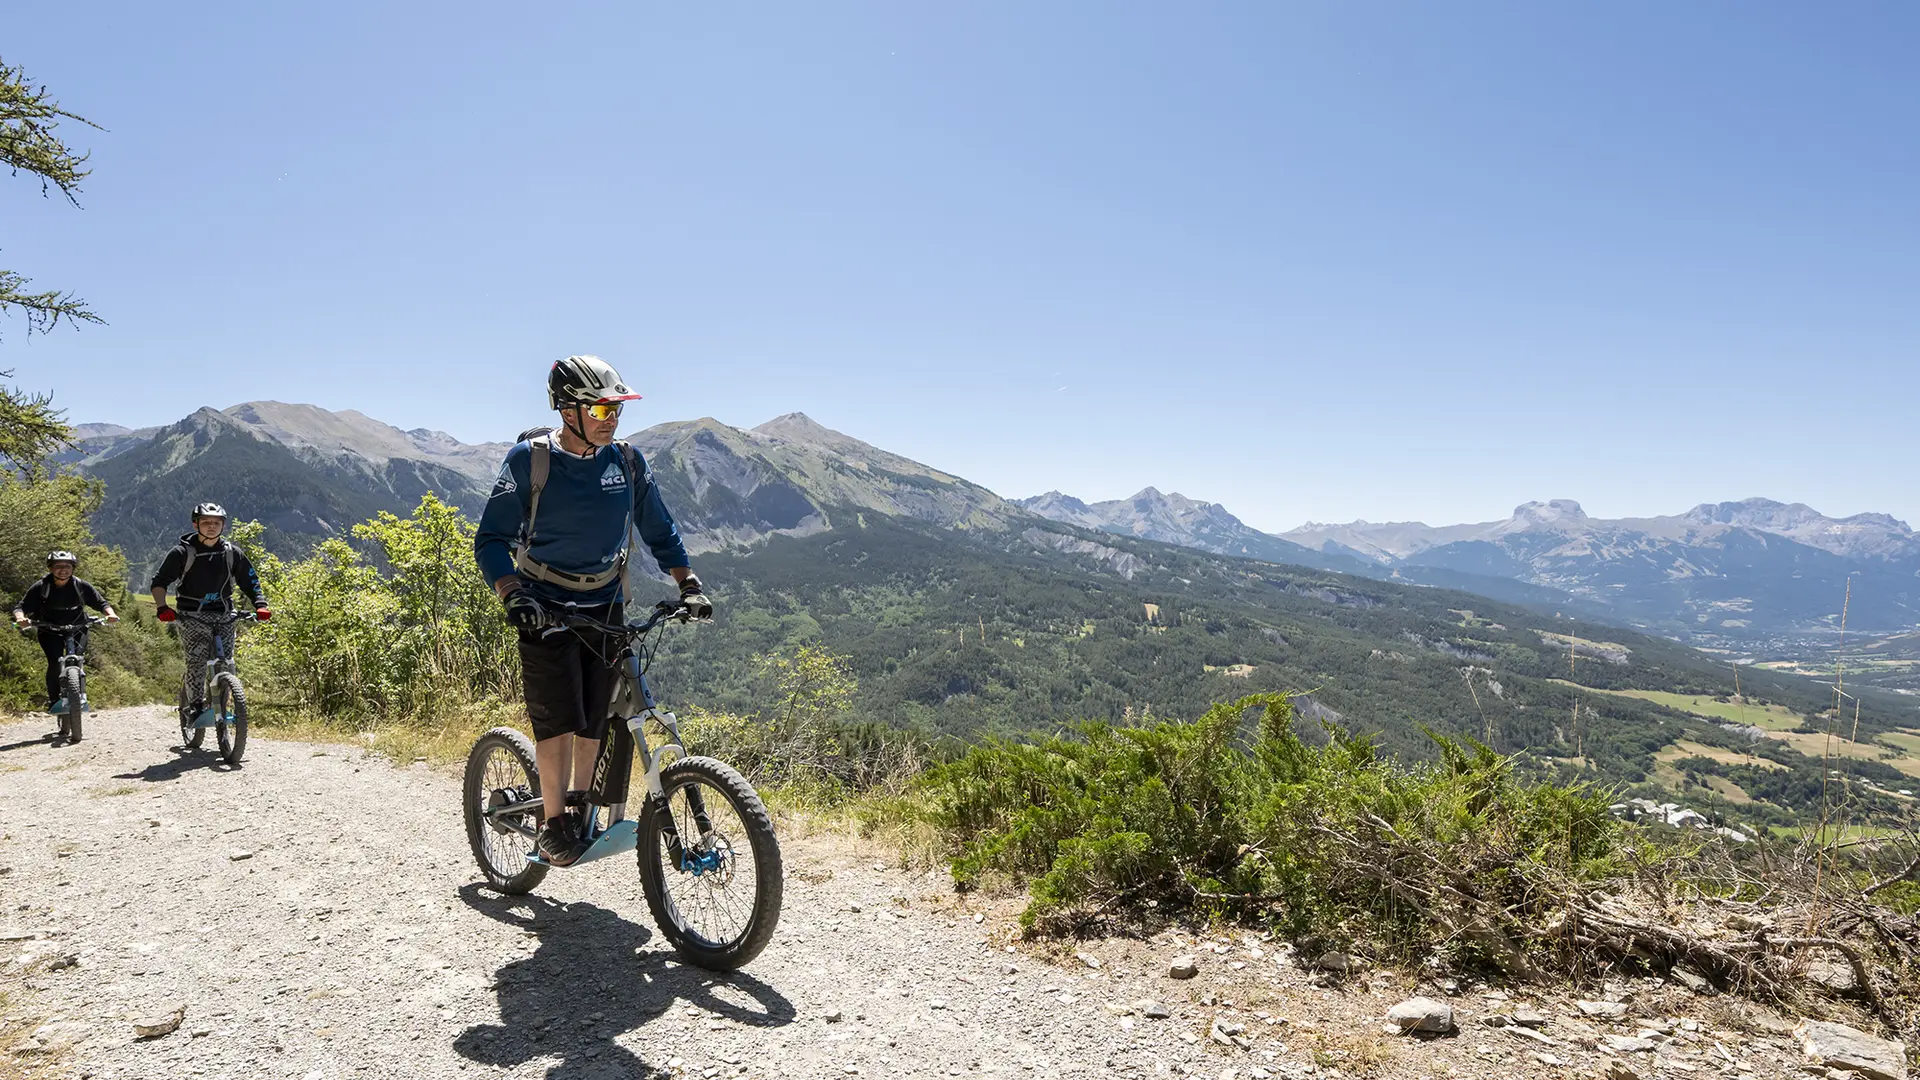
560 841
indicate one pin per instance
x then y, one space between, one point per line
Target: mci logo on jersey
614 479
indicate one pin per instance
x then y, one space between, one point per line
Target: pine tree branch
29 140
30 427
44 310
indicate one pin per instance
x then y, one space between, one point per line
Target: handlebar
67 628
664 611
221 618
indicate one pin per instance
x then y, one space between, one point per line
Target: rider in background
60 599
554 537
207 566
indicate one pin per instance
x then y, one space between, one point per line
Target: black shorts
568 679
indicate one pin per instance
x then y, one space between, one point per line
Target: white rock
1608 1010
150 1027
1835 975
1422 1014
1183 967
60 1034
1839 1046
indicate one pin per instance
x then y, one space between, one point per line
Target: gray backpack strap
186 564
537 469
636 469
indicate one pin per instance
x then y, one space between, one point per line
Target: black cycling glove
698 606
524 610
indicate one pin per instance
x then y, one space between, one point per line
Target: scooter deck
620 838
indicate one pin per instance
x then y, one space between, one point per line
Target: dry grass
110 792
1770 717
1353 1053
39 1066
1818 745
1906 741
442 741
884 819
1686 748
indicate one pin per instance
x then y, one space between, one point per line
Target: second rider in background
60 599
207 566
554 537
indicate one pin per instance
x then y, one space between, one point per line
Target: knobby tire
474 792
74 682
190 736
714 777
231 698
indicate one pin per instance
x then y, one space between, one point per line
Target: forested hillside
964 633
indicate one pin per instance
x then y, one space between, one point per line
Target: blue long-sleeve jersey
584 513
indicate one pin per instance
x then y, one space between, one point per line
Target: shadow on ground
184 761
51 738
589 982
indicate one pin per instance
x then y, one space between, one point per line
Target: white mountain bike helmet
585 380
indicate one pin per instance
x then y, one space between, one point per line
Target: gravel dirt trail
317 912
318 915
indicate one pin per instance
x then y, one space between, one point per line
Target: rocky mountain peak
797 427
1551 512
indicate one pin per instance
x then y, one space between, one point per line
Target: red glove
165 614
262 614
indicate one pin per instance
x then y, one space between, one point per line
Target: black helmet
209 509
585 380
63 556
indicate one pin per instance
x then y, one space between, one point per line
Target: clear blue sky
1326 260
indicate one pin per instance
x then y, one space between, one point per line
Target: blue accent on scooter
210 718
60 706
703 863
622 837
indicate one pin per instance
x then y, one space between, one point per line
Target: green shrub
129 664
1235 809
803 741
417 637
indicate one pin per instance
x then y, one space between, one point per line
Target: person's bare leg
585 752
555 758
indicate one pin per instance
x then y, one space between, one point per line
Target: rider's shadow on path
51 738
184 761
586 966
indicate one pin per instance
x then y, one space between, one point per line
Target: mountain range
1736 573
1732 572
